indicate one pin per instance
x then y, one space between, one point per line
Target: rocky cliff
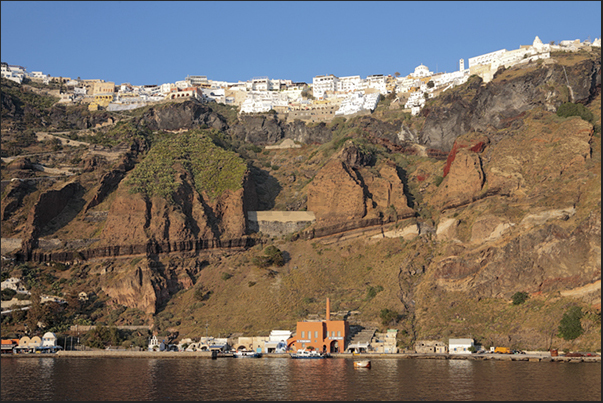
510 204
347 188
500 104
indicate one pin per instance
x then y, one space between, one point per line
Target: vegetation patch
213 169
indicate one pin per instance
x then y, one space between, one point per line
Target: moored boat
362 364
247 354
309 354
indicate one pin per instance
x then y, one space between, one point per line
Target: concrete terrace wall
276 223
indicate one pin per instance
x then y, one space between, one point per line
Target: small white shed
460 346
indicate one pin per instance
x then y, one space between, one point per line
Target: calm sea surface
285 379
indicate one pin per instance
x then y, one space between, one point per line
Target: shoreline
544 357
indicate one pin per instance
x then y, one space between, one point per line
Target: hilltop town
327 97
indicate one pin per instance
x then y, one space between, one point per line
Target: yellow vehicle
502 350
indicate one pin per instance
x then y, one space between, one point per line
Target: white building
37 74
348 84
277 341
421 71
13 73
263 101
216 94
259 84
415 102
196 80
220 84
487 58
322 84
49 340
14 284
166 88
182 84
153 344
460 346
377 82
357 102
405 84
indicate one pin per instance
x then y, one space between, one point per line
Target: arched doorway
334 347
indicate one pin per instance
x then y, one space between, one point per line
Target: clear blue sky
158 42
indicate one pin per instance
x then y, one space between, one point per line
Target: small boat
247 354
362 364
309 354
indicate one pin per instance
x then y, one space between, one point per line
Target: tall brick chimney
328 310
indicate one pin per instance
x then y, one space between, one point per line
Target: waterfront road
533 357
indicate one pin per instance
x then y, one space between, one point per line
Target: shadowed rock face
49 205
500 103
184 115
15 192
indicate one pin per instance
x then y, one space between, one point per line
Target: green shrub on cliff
570 109
213 169
388 316
272 256
570 327
519 297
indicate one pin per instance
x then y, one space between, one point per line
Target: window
339 333
315 333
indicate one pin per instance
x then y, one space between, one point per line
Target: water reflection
285 379
461 381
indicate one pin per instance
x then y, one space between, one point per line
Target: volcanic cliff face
135 219
347 189
536 239
498 105
514 207
182 116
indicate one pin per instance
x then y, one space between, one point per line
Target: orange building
8 345
325 335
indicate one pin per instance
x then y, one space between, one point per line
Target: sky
156 42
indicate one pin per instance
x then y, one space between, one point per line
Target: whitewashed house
15 284
259 84
460 346
277 341
216 94
348 84
377 82
322 84
182 84
357 102
49 340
